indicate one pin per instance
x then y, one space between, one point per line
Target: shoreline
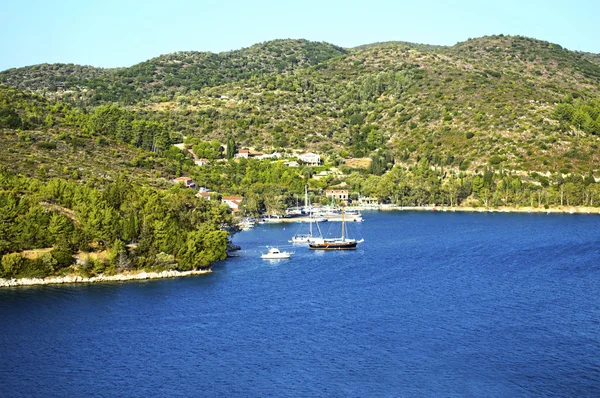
452 209
124 277
500 209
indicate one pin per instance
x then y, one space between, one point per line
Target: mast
306 196
309 210
343 211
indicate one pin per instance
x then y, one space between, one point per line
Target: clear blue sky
113 33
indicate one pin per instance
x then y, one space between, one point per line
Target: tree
118 255
9 119
105 120
60 228
12 264
230 148
203 248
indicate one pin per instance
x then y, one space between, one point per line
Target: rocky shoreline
98 279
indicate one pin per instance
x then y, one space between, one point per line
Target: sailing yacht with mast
342 243
307 238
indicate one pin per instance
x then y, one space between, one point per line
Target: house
201 162
186 181
205 195
242 153
293 163
309 158
233 202
203 189
341 194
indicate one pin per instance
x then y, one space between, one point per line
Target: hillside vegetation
167 74
87 154
492 101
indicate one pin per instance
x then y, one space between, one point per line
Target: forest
136 227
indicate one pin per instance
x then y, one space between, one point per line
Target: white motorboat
275 254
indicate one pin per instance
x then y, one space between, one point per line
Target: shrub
12 264
47 145
470 135
63 257
496 159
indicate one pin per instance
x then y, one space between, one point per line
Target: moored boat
310 236
342 243
275 254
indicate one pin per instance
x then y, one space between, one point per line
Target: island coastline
122 277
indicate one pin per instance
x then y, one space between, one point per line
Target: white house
233 202
205 195
309 158
293 163
242 153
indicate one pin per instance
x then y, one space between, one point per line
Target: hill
168 74
46 139
457 106
503 101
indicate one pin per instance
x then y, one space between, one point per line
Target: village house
341 194
234 202
367 201
185 181
243 153
292 163
205 195
201 162
310 159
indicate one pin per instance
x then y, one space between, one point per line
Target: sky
112 33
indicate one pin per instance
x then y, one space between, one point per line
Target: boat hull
278 257
333 246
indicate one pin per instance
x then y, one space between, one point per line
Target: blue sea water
431 304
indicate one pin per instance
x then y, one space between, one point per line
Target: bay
431 304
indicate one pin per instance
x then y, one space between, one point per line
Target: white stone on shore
100 278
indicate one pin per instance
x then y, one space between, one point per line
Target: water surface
432 304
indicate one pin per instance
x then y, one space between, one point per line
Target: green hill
457 106
504 101
168 74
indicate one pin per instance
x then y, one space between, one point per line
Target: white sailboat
310 236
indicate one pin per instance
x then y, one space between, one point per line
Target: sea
430 304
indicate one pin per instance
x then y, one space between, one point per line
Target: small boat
275 254
247 224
